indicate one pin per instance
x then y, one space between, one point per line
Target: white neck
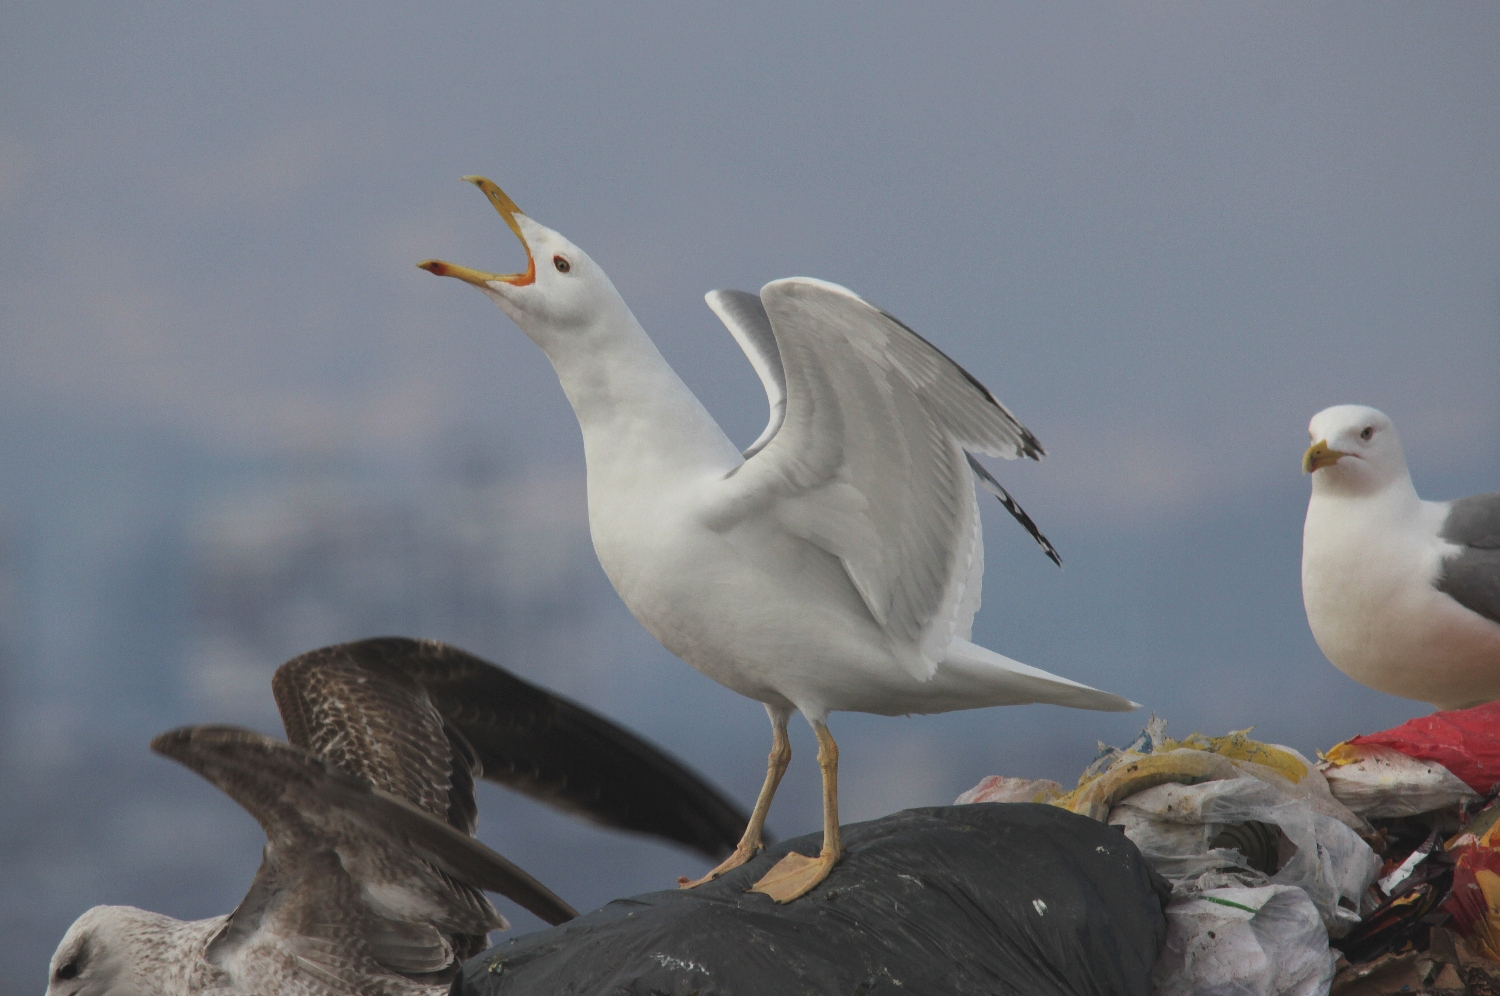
1395 495
1339 511
631 405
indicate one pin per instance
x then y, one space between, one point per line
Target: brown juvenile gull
371 880
1402 595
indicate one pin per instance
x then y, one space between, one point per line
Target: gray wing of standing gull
745 317
1471 577
870 463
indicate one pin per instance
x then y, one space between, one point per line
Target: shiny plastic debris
1179 828
978 899
1385 855
1183 801
997 789
1474 902
1374 780
1267 941
1465 741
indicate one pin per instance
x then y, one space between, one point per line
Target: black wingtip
1013 507
1031 448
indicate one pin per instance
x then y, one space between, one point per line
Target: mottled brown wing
376 722
425 871
560 753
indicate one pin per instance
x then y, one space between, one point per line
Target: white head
1355 450
108 952
559 298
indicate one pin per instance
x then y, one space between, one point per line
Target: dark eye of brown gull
563 266
68 971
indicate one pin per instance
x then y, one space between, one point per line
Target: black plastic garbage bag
999 898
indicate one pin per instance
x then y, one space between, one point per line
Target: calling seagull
836 563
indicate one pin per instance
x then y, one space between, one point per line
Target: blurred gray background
238 423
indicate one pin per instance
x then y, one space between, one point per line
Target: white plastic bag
1174 826
1382 781
1266 941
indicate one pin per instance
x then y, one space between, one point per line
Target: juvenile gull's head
114 951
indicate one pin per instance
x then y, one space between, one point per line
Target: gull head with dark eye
73 957
100 955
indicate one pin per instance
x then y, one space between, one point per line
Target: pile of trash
1375 870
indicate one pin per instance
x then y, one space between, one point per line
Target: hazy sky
1164 234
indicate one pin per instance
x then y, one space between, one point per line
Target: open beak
479 278
1320 454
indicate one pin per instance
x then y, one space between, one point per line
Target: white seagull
833 565
1402 595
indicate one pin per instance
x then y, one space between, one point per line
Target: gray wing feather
744 314
869 462
1474 521
1471 577
745 317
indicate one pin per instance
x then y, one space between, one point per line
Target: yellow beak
479 278
1320 454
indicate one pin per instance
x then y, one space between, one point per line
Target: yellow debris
1139 772
1486 937
1341 754
1237 746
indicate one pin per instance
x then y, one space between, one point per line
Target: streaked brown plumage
371 880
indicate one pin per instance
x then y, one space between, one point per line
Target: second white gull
836 563
1402 594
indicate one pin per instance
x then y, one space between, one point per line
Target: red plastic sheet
1465 741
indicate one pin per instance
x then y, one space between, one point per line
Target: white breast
1368 567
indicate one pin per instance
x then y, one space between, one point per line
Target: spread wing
1471 577
351 870
374 721
746 318
871 459
549 748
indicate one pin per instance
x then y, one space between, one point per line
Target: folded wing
1471 576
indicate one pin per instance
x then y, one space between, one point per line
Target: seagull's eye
1369 431
68 971
562 264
